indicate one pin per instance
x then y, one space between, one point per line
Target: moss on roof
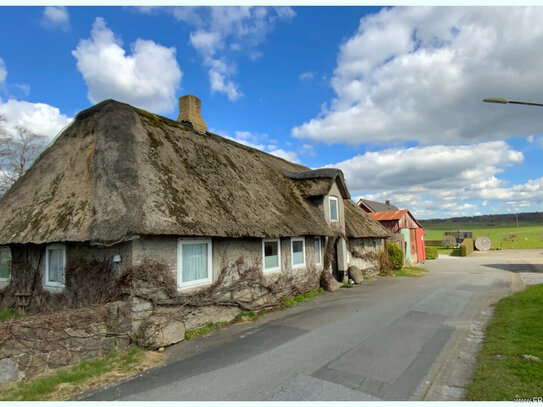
118 171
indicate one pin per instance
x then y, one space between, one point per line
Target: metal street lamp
505 101
514 102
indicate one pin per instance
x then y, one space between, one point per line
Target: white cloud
287 155
40 118
441 180
148 78
55 17
260 142
530 138
434 167
220 34
420 73
306 76
3 71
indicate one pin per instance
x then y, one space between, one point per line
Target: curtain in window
271 256
5 259
56 265
317 251
194 263
297 252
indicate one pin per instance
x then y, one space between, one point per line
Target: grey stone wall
35 344
363 254
225 251
158 248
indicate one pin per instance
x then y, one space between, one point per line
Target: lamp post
514 102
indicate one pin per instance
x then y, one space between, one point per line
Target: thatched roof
359 223
318 182
118 172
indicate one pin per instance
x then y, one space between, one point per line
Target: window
55 263
317 250
5 263
271 253
333 209
193 263
297 245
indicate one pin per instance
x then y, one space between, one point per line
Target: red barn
403 222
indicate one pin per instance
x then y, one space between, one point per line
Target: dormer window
334 216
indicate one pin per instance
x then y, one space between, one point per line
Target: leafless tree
17 152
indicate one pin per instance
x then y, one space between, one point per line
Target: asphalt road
393 338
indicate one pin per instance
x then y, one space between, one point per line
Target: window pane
5 259
56 265
194 261
271 255
333 209
317 251
297 252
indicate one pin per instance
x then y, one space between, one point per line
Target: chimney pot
387 202
190 110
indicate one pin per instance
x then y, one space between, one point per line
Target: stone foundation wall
160 316
34 344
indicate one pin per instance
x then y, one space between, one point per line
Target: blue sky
392 96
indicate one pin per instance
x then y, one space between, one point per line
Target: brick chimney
190 110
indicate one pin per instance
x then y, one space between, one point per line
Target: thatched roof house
117 172
137 184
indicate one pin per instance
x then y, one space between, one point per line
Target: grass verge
516 329
289 302
6 314
204 330
246 316
411 272
66 382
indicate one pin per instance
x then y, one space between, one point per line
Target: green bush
433 242
431 253
396 255
385 266
466 247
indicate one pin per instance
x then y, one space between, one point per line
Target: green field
528 236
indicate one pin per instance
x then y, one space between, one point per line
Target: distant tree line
485 220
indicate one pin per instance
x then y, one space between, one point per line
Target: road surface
393 338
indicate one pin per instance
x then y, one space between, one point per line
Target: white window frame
318 239
292 240
202 281
330 199
54 247
6 249
274 269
